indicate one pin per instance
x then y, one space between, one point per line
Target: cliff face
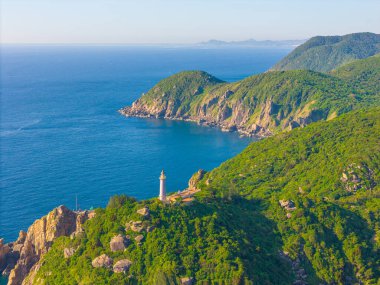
259 105
24 254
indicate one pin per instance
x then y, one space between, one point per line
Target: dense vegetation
327 53
333 227
364 74
197 241
236 230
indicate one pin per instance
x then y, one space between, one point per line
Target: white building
162 196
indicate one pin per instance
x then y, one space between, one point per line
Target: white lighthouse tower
162 196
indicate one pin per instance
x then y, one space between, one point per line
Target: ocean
62 137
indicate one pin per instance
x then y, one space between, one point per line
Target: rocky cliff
21 259
258 105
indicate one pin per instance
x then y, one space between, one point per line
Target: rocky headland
260 105
21 259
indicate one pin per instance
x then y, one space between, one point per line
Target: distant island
254 43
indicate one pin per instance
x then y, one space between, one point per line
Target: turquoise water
61 135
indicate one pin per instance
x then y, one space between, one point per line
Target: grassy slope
327 53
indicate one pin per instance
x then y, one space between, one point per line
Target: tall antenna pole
76 202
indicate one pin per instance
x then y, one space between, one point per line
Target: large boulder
122 266
143 211
118 243
102 261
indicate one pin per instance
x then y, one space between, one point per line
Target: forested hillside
325 53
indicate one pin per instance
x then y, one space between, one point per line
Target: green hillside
262 104
237 232
327 53
363 74
331 172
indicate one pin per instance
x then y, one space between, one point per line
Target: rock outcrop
198 176
102 261
68 252
139 239
26 252
4 251
136 226
122 266
356 176
287 205
143 211
118 243
10 253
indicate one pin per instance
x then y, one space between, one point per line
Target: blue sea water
61 135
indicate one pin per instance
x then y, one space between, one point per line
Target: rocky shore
239 125
20 260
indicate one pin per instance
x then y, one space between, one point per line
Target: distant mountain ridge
255 43
325 53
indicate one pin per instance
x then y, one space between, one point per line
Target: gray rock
122 266
102 261
118 243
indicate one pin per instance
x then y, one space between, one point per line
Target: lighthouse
162 196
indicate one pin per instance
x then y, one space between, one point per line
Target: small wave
32 123
15 131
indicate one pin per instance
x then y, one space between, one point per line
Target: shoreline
261 134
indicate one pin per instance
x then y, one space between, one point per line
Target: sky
181 21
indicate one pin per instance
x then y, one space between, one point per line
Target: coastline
243 132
